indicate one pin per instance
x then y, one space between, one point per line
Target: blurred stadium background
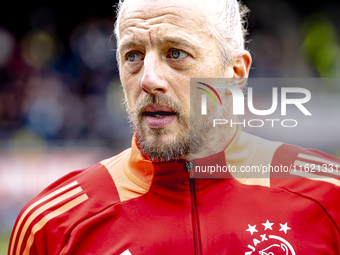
60 95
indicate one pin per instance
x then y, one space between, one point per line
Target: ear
242 65
240 71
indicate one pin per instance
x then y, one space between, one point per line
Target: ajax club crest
264 239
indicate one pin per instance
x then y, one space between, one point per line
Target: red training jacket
128 205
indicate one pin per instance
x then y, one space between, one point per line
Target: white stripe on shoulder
31 207
48 217
317 159
313 168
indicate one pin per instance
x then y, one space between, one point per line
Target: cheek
131 87
132 96
195 102
181 89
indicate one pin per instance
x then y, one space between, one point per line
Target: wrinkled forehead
153 6
183 13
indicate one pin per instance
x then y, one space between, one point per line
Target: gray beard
193 136
150 142
157 151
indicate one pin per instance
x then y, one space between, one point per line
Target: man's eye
177 54
133 57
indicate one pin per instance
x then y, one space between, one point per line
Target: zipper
195 219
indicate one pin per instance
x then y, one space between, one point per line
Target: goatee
151 142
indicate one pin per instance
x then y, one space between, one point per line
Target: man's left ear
242 65
239 70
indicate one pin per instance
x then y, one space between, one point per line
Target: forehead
161 18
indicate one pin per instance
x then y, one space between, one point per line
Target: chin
161 145
166 135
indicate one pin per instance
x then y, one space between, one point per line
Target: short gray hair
226 19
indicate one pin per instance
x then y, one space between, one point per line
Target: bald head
224 19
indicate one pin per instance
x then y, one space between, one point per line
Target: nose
153 79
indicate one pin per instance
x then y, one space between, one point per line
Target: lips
158 116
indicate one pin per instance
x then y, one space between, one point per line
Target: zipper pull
188 167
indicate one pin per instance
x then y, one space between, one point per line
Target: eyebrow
175 40
127 43
166 40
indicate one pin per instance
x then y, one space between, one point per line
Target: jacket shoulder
288 153
309 173
45 223
290 161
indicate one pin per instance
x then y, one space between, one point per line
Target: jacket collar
142 171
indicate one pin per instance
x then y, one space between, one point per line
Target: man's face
162 45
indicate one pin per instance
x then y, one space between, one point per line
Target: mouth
157 116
